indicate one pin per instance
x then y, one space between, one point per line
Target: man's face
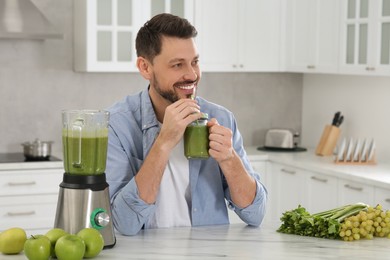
176 71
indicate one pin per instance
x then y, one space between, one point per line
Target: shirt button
195 209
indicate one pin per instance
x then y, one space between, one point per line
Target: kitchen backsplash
32 100
363 100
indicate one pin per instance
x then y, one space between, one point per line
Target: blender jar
85 141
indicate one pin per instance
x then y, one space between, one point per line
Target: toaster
281 138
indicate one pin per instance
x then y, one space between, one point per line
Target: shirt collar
149 118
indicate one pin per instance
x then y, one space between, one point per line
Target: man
152 184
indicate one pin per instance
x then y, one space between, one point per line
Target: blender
83 200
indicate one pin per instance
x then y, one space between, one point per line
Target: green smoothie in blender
85 141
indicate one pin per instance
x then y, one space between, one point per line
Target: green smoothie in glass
196 139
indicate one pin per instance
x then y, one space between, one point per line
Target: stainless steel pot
37 149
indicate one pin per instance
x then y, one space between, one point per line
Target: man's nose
191 74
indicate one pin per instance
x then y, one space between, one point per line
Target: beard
169 95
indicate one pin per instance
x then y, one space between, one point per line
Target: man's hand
242 186
220 141
177 116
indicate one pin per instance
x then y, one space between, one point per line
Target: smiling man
152 184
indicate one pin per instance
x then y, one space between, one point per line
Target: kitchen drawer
353 192
382 196
32 212
29 182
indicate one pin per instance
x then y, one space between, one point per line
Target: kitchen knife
340 121
336 118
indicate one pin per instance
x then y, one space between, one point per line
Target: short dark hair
148 41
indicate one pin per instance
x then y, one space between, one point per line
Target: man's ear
144 67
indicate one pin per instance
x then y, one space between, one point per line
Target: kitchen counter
236 241
378 174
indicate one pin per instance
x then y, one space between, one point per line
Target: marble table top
236 241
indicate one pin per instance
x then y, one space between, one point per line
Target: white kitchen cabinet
288 189
237 35
365 38
382 196
312 36
352 192
28 197
105 31
322 192
260 166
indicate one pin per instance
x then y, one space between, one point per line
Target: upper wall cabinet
236 35
312 38
365 41
105 31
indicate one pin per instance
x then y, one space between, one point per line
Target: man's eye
177 65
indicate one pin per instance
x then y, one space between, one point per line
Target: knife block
328 140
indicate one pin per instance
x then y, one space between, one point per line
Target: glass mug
196 139
85 141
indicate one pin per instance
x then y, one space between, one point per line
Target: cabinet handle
319 179
311 66
22 183
241 66
353 187
288 171
387 200
370 68
26 213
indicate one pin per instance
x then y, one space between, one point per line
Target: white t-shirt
174 197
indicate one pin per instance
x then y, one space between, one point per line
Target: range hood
21 19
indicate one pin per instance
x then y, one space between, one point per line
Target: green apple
70 247
12 241
94 241
54 234
37 247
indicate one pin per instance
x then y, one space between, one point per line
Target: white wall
364 101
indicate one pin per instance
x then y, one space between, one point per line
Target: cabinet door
322 192
105 31
261 168
28 212
217 38
259 35
382 196
182 8
245 36
352 192
30 182
312 36
365 37
288 188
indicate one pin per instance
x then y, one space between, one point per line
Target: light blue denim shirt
133 128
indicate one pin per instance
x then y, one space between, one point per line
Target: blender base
85 208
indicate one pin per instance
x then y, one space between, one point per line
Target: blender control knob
102 219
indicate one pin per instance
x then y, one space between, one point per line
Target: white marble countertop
378 175
236 241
